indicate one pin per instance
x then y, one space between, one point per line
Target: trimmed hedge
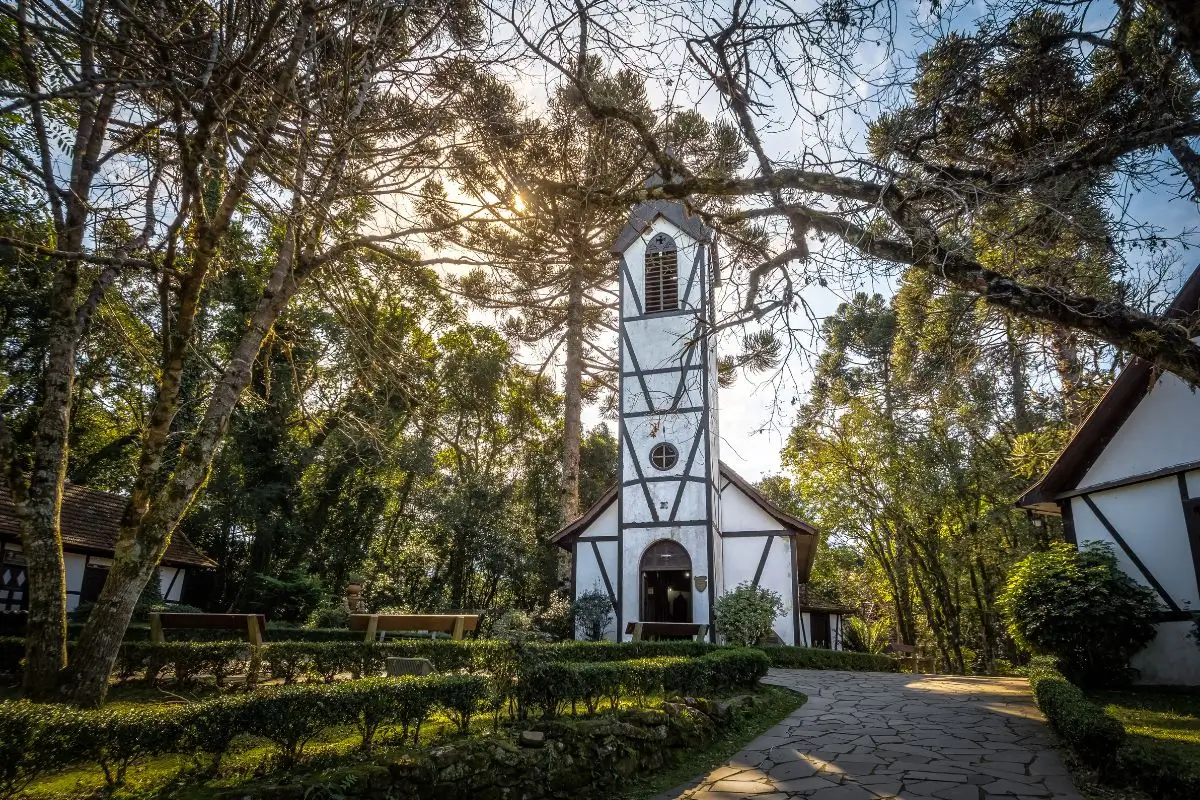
1101 741
291 662
1084 726
552 686
818 658
1159 773
37 739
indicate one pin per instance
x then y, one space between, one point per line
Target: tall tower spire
668 498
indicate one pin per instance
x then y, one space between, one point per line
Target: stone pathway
863 736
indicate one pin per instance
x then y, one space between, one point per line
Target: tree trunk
573 396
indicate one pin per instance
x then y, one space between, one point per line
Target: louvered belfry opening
662 275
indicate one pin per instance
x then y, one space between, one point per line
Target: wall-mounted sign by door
701 583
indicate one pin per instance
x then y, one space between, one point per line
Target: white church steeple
668 543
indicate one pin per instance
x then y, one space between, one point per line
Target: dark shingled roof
673 211
804 534
90 522
1089 441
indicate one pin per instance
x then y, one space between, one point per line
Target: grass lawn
1158 718
775 703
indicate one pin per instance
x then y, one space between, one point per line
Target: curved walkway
863 736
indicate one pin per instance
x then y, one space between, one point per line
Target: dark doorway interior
93 581
819 623
666 596
666 583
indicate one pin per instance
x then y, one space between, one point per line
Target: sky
757 412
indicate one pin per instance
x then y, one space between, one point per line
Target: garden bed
258 737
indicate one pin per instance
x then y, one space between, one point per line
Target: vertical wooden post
254 631
156 629
459 623
372 626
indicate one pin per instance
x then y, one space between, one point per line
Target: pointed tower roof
644 214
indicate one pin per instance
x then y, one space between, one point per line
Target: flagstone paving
865 736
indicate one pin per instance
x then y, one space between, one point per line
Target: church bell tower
668 546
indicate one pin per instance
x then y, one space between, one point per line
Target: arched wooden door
666 579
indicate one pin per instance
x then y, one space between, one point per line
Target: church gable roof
1132 385
643 215
790 522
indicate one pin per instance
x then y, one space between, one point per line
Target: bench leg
459 624
156 629
253 631
637 631
372 626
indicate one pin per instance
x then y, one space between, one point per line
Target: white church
681 528
1130 477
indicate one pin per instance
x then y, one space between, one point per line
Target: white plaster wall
635 261
665 389
605 524
171 591
741 558
742 555
1161 432
1149 517
693 539
692 505
740 513
75 565
1171 659
588 575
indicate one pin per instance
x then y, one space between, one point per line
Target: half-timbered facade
1130 477
89 521
680 528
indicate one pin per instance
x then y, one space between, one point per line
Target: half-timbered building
1130 477
89 521
680 528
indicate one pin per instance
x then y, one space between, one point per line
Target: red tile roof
90 522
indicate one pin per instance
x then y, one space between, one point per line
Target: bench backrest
253 624
642 630
441 623
454 624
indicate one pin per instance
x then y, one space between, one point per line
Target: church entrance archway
666 573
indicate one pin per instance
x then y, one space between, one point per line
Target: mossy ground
774 703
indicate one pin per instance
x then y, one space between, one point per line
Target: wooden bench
252 624
374 624
911 654
648 631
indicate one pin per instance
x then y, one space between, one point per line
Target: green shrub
821 658
461 696
1079 606
1084 726
114 738
287 598
592 614
291 715
329 614
744 615
212 725
34 740
1159 773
